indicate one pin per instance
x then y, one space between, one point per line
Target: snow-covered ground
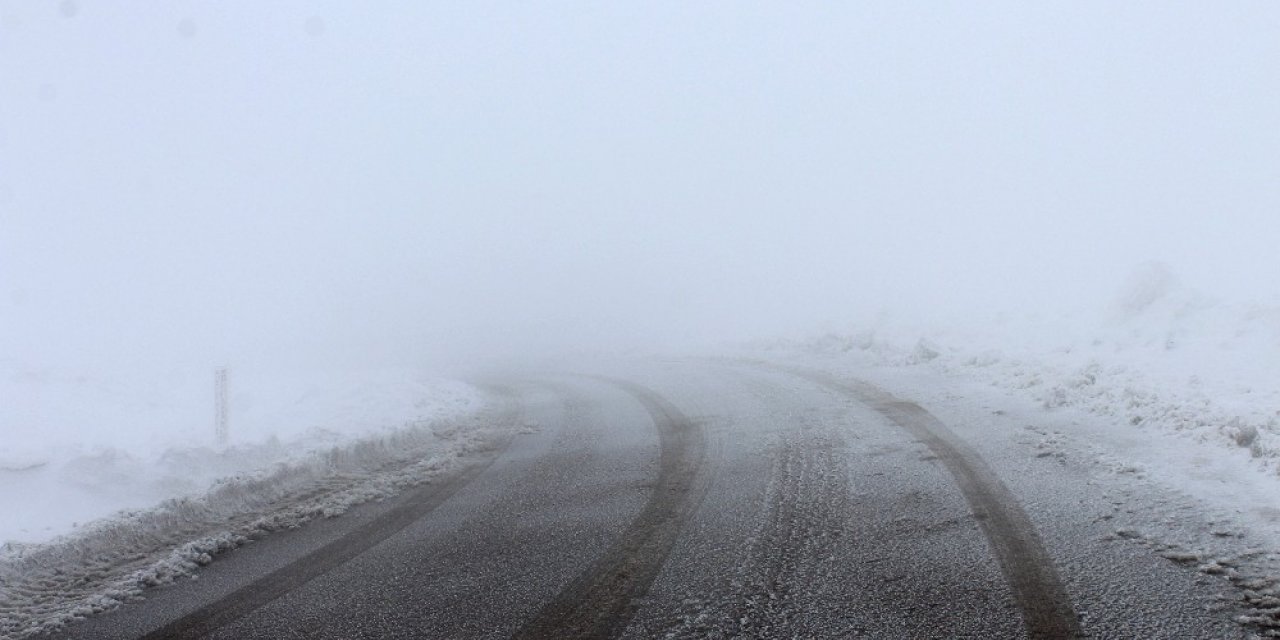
1159 356
125 489
110 484
1165 387
78 446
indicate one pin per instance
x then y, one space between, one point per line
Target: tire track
408 509
600 603
803 511
801 522
570 447
1038 591
767 591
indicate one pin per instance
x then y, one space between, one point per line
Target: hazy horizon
313 182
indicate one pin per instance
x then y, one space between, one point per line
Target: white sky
369 182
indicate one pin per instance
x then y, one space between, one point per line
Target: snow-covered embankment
173 507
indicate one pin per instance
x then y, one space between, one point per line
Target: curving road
700 499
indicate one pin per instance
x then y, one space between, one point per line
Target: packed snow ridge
81 443
1162 356
333 442
44 586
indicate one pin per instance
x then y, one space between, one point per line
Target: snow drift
1159 356
80 445
44 586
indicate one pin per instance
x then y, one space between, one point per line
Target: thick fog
418 183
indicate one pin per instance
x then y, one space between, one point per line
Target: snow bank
1160 356
45 586
78 445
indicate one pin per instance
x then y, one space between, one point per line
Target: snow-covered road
729 498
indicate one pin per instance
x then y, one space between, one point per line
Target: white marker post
220 406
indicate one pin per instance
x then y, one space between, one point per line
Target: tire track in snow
600 603
1040 595
801 521
408 509
768 591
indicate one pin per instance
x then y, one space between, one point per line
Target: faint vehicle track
802 520
408 509
1046 608
600 603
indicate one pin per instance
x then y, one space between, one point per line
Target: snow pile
45 586
133 456
82 445
1162 356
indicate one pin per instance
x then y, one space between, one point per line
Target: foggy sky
375 182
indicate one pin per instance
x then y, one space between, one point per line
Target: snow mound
45 586
1162 356
1147 285
79 446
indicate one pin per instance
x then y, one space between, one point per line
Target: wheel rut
1040 595
408 508
601 602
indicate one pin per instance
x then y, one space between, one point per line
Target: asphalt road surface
704 500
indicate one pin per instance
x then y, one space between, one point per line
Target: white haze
428 184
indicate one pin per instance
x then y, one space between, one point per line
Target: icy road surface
730 499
